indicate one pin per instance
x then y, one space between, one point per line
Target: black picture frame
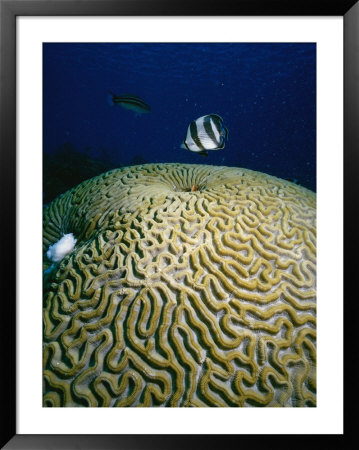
9 10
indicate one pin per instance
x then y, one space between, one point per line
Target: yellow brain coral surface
174 297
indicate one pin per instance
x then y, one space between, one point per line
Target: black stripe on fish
203 153
219 118
133 101
218 121
131 96
221 145
130 99
185 143
194 135
207 124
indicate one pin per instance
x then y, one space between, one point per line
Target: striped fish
205 133
129 101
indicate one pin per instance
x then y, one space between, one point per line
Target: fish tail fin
110 100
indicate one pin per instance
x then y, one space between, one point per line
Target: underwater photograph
179 224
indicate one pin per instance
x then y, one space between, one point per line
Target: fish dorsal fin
216 116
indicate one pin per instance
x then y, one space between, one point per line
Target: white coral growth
61 248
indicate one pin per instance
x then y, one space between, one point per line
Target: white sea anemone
61 248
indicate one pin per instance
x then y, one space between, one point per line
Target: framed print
166 168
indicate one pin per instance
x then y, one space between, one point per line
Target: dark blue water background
265 93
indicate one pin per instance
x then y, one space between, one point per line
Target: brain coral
174 297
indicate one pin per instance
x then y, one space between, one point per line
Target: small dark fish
205 133
129 101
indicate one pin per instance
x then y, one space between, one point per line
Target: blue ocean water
265 93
